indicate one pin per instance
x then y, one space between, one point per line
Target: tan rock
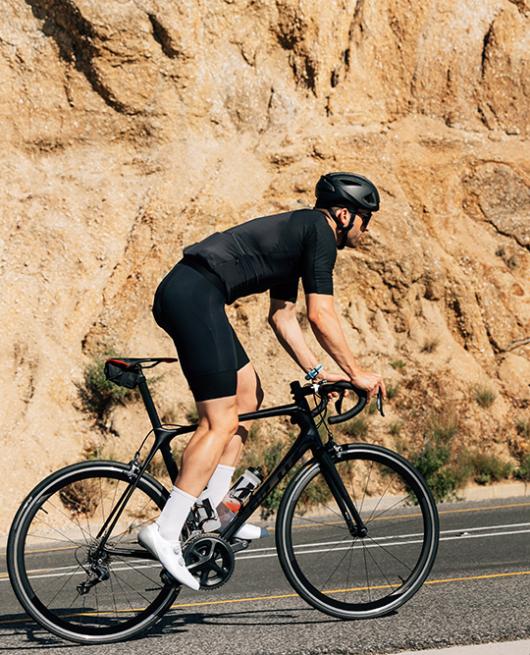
130 129
514 372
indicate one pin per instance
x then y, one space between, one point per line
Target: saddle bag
124 378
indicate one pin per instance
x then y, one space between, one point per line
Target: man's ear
344 216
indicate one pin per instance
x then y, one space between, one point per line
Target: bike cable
165 426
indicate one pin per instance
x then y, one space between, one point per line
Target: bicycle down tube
308 439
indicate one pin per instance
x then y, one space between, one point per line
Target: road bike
356 530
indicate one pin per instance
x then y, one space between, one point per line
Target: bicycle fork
344 502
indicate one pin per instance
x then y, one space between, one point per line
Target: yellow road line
253 599
340 591
483 509
415 515
487 576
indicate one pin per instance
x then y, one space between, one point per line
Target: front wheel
61 576
354 577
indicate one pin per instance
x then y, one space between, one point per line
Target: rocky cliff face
132 127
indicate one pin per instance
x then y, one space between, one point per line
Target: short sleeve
287 290
318 260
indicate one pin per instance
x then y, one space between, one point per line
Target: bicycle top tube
128 372
300 406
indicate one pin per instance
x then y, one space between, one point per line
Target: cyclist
268 253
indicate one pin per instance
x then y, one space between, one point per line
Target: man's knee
249 391
219 417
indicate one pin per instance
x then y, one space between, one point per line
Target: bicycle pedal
168 579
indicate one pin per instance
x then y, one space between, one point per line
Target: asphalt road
478 592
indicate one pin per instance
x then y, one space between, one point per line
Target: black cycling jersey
271 253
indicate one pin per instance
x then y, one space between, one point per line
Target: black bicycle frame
308 439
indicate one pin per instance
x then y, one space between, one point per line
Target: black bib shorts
191 309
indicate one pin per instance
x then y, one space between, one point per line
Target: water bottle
250 479
231 503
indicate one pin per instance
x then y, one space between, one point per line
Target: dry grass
392 391
395 428
430 345
484 396
357 427
523 428
80 498
486 468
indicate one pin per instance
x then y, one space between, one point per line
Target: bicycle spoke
124 561
366 569
65 538
64 584
388 509
391 554
133 588
364 579
123 590
113 595
97 599
366 486
61 541
378 503
324 523
64 520
69 518
369 550
101 503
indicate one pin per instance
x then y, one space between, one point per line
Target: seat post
148 402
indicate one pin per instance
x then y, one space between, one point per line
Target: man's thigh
249 391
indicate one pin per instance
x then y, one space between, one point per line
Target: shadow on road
174 622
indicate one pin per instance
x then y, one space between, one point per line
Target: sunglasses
365 217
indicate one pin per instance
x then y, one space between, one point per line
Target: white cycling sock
173 516
218 485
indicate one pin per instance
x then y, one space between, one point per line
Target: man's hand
370 382
332 377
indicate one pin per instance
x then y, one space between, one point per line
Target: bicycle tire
333 575
66 507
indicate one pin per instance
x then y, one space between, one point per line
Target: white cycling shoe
248 532
168 553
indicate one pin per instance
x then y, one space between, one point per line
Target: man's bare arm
327 328
283 320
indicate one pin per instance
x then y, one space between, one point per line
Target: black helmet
347 190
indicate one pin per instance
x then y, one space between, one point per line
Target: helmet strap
341 230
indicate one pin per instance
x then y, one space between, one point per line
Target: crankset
210 559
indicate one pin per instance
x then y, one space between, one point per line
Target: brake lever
379 402
338 403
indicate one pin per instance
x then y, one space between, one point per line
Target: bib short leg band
192 311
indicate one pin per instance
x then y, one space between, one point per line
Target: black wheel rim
55 554
356 575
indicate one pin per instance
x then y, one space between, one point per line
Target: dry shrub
80 498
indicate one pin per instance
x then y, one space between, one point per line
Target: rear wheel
57 571
351 576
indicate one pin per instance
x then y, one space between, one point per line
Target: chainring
209 558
